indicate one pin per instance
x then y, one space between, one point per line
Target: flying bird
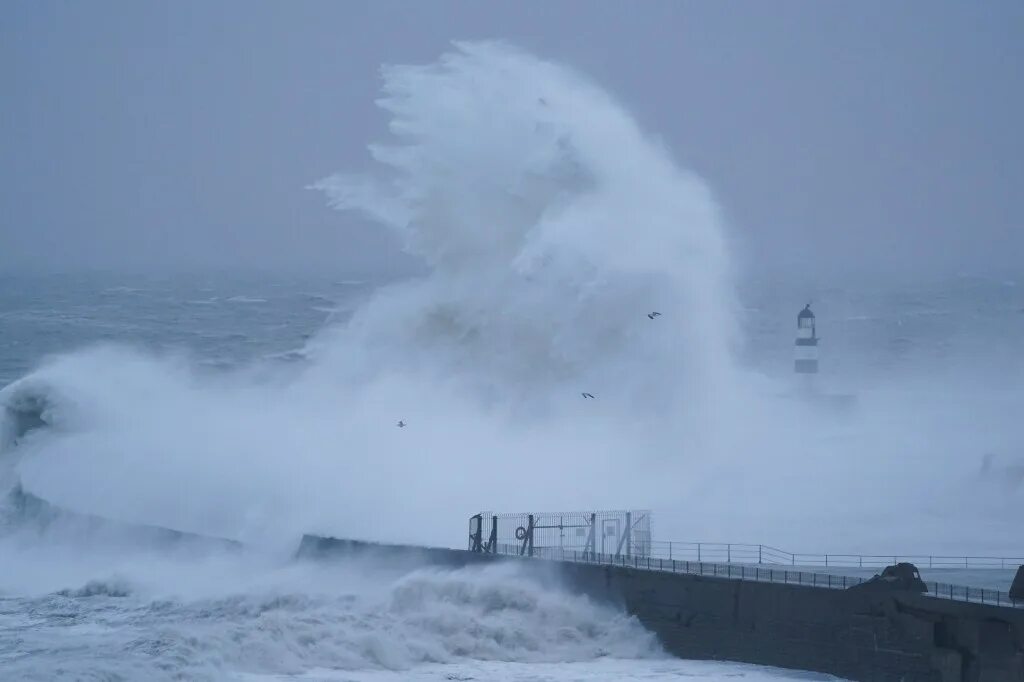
654 315
587 395
401 424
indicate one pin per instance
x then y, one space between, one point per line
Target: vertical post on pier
629 533
492 542
529 535
592 539
475 532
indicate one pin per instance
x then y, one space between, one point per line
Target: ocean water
256 408
193 614
74 606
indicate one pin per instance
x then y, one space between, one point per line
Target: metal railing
739 553
757 573
612 532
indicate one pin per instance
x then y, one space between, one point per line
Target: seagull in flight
587 395
654 315
401 424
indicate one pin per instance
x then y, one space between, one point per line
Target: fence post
670 550
728 554
698 552
759 553
826 560
629 532
529 534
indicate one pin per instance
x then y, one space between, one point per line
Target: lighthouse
806 348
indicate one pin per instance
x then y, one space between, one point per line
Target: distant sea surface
870 332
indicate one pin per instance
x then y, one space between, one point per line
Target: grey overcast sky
848 135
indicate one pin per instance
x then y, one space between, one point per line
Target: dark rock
1017 587
903 577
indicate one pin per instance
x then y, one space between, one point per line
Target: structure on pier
607 533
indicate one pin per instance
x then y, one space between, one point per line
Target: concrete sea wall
856 634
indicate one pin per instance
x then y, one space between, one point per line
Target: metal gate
614 533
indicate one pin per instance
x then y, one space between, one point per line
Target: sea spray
551 227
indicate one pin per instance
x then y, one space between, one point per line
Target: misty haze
278 280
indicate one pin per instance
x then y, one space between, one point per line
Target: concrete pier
855 634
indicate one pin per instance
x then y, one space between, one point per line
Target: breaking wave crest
99 588
474 614
550 236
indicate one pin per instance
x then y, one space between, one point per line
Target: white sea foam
171 617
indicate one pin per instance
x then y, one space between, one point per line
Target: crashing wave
345 620
547 240
27 406
99 588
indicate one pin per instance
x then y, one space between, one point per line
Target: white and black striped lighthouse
806 348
